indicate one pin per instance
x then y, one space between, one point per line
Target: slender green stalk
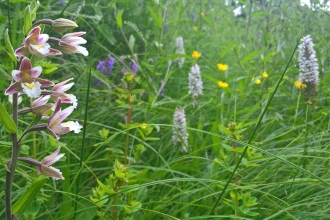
255 129
13 163
83 140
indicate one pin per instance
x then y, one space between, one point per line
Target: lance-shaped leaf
7 120
27 198
9 47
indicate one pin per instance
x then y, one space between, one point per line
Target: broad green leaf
27 198
7 120
119 19
27 21
9 47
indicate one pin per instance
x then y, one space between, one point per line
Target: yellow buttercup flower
258 81
264 74
222 67
195 54
202 13
300 85
195 28
222 84
143 126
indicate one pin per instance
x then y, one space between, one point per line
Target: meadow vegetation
188 111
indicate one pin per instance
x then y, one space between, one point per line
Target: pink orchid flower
58 92
47 170
70 43
27 81
55 125
36 44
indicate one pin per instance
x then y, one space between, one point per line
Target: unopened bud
62 25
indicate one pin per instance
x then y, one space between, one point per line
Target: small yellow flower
222 84
195 28
300 85
222 67
264 75
258 81
195 54
143 126
202 13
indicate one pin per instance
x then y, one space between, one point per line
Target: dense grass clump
189 111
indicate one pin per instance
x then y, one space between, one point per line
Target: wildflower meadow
164 109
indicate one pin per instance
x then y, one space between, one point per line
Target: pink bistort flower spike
27 81
55 125
47 170
70 43
36 44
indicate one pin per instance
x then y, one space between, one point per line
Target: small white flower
195 83
179 130
308 62
41 49
179 50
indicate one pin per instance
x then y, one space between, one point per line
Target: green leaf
27 198
251 55
34 7
136 91
105 188
7 120
225 130
9 47
27 21
157 18
119 19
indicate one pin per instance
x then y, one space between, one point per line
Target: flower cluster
28 83
106 66
179 130
179 50
195 83
309 73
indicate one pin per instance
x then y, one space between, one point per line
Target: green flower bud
62 25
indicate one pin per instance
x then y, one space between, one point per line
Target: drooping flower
70 43
26 80
179 50
47 170
55 126
180 133
307 60
222 67
58 92
36 44
300 85
264 75
195 83
222 84
40 106
106 66
195 54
